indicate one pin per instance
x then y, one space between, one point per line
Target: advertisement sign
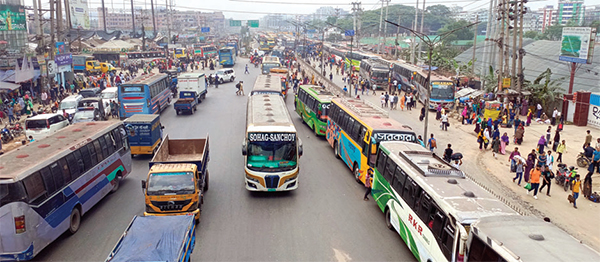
63 59
60 48
506 82
12 18
594 111
80 14
577 45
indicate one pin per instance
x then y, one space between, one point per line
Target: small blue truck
187 102
145 133
156 238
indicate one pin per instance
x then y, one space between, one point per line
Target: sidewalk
493 173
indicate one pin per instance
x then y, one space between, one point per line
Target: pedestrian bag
528 186
570 198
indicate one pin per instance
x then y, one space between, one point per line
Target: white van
108 95
69 104
43 125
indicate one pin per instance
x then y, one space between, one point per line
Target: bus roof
268 113
371 115
226 48
190 75
141 118
267 83
270 59
18 162
318 92
529 238
461 197
148 79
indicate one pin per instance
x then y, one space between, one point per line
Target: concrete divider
311 71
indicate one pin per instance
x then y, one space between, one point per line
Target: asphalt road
325 219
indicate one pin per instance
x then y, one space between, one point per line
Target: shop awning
7 86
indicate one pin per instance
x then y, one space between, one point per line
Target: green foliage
544 89
461 34
491 80
531 34
332 20
553 33
595 24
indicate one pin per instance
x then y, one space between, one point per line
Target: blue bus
227 56
233 44
47 186
146 94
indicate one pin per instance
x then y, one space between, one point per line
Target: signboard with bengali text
80 14
12 18
577 45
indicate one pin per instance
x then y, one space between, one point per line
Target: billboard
12 18
80 14
577 45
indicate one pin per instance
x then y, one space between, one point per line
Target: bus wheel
356 173
388 219
117 182
75 220
206 182
336 150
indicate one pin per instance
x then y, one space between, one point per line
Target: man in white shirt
382 98
539 110
554 115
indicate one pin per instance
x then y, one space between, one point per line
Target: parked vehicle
187 102
145 133
151 238
109 95
582 160
70 104
226 75
97 103
178 178
90 92
43 125
6 135
193 82
107 67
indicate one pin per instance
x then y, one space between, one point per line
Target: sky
254 9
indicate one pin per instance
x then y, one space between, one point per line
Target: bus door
370 149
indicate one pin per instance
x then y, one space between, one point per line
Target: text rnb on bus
524 238
46 186
312 104
428 202
271 146
267 85
146 94
269 62
355 128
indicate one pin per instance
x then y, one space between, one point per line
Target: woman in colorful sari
503 143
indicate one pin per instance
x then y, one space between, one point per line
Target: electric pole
153 20
422 16
486 48
474 46
414 39
387 5
103 16
59 21
501 42
52 36
380 25
132 20
521 52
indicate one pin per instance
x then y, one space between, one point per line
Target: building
591 14
570 10
548 16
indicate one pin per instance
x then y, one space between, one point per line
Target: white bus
269 62
524 238
271 146
428 202
46 186
267 85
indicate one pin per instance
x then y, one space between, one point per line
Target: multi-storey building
591 14
570 10
548 16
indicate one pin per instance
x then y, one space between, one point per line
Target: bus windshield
442 91
171 183
267 67
272 156
380 74
13 192
67 105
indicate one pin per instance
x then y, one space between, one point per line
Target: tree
491 80
544 89
553 33
462 34
332 20
531 34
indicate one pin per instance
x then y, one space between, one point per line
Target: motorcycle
562 176
6 135
582 160
17 130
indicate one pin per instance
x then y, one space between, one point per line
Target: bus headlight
149 209
252 179
289 179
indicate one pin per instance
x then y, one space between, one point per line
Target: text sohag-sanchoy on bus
442 88
524 238
146 94
46 186
271 146
355 128
428 202
312 104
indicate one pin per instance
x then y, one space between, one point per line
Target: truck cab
107 67
92 67
178 178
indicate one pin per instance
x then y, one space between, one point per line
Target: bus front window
272 156
442 92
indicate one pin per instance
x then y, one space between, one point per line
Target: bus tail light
20 224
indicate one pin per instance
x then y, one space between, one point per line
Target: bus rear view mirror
143 184
244 150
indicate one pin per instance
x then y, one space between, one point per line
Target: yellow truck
86 64
178 178
107 67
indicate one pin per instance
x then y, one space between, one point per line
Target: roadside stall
492 109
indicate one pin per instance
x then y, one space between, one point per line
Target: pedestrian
541 144
576 189
31 139
480 139
382 98
486 137
534 180
529 164
448 153
556 140
519 171
561 149
368 184
444 121
432 143
11 115
245 72
554 115
504 140
374 88
596 158
457 163
542 158
529 116
495 146
588 139
409 103
539 110
422 115
546 178
512 160
519 134
402 101
387 98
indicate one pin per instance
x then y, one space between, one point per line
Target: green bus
312 104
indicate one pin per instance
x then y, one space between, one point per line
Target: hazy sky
249 9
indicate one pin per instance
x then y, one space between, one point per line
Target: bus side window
99 154
399 178
381 159
104 147
59 179
48 180
447 241
35 187
93 155
75 164
65 169
424 208
109 143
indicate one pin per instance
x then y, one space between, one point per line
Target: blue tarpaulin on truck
154 238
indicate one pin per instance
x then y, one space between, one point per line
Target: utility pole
153 20
387 6
422 16
486 48
355 9
58 21
413 44
521 51
132 20
513 75
103 16
380 25
474 45
501 42
68 16
168 20
52 36
397 33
